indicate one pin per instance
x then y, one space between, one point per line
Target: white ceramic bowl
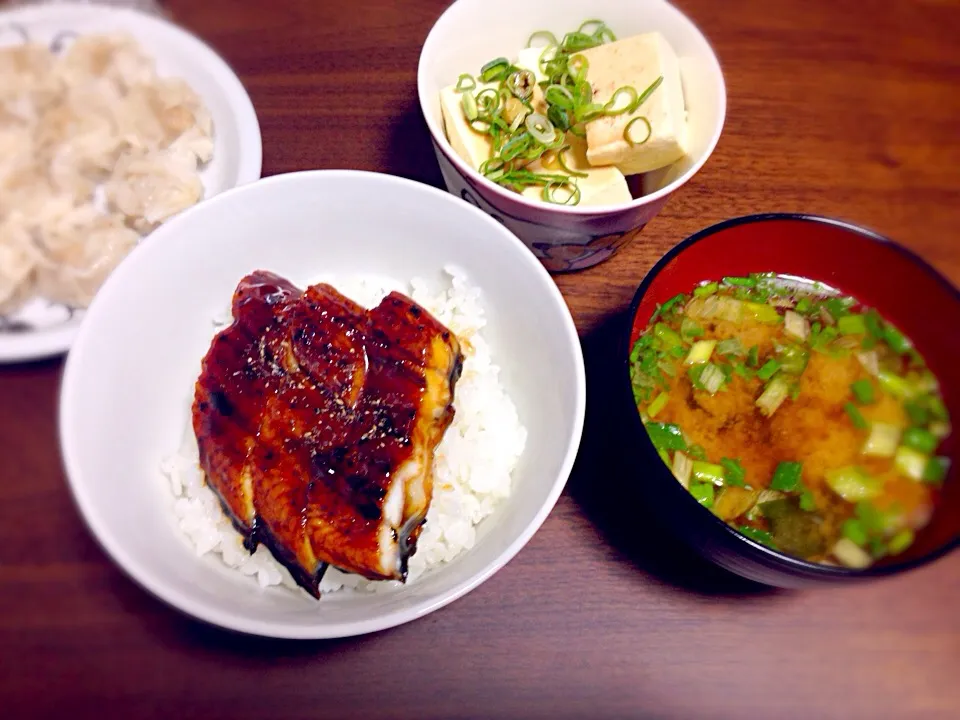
472 32
129 379
41 329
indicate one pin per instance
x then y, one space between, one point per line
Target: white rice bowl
473 464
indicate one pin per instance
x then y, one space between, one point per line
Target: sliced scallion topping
863 391
469 103
708 289
703 493
740 281
761 536
617 106
853 484
853 530
768 370
935 471
708 472
551 39
465 82
630 137
882 440
856 417
910 463
773 396
659 403
852 325
700 352
563 163
666 436
496 69
733 472
642 98
920 439
786 477
897 341
682 468
901 541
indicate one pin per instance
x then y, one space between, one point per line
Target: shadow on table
410 151
604 487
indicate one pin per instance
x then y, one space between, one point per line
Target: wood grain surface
847 108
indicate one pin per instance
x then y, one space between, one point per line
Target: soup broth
795 414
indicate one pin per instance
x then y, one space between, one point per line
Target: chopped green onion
712 378
612 108
870 362
733 472
647 93
689 329
808 502
704 290
563 163
863 391
494 70
631 141
743 371
740 281
882 441
753 356
853 484
658 404
668 305
703 493
803 305
760 536
873 520
666 436
920 439
773 396
768 370
731 346
937 408
838 307
540 128
521 83
910 463
897 386
874 324
786 477
935 471
700 352
851 555
897 341
794 359
852 325
469 103
763 313
559 96
708 472
682 467
796 325
667 336
665 456
697 452
553 192
853 530
901 541
546 34
694 372
465 82
856 417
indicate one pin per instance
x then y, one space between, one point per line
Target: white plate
41 329
128 380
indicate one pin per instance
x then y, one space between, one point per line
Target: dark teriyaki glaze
306 407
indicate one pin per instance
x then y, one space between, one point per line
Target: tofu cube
637 61
602 186
473 147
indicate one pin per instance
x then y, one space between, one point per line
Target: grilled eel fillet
317 422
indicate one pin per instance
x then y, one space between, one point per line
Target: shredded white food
473 466
95 150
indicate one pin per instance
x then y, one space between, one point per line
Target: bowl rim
209 613
752 547
440 140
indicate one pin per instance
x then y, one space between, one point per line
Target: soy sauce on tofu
795 414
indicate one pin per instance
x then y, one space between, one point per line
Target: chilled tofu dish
800 417
568 120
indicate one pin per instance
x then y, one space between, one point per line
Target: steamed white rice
473 466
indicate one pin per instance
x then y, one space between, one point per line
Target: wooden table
847 108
